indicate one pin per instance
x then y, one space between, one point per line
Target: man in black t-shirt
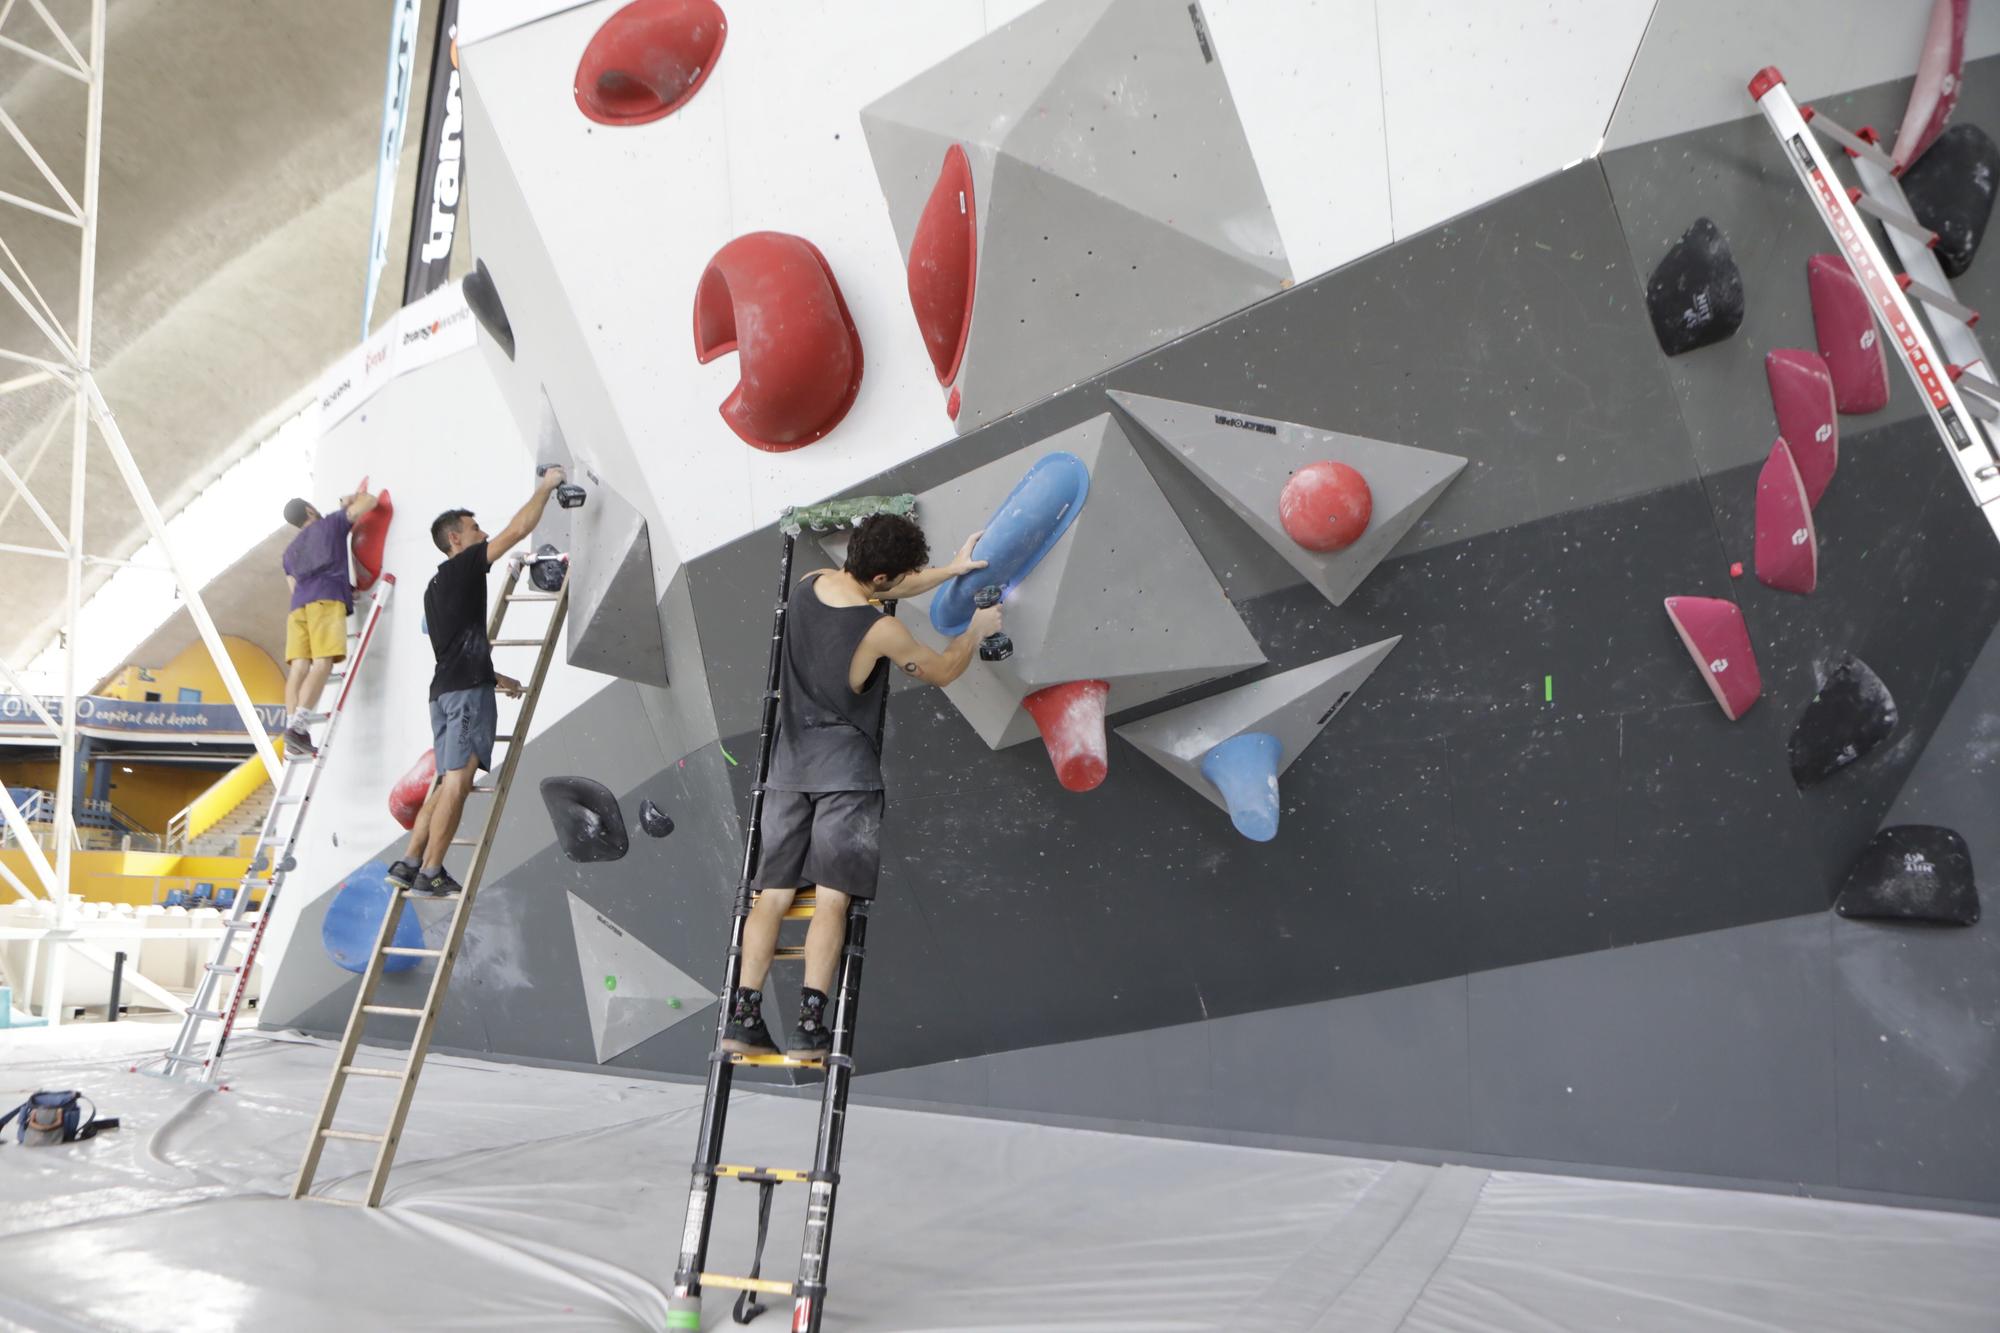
464 713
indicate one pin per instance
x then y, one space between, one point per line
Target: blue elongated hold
1245 770
1026 527
354 919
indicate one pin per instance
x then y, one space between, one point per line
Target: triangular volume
614 620
1912 872
1714 634
1248 462
1787 545
1123 597
1695 294
631 992
1292 707
1940 74
1802 397
1950 189
1851 715
1844 323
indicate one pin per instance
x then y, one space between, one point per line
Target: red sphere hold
1325 506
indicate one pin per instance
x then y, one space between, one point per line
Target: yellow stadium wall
131 877
193 669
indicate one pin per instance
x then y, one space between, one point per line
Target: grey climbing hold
1851 715
653 821
1695 295
588 823
1912 872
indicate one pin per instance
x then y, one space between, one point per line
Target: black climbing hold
545 571
1851 715
589 825
653 821
1695 295
484 298
1951 189
1912 872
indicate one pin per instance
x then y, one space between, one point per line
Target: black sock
749 1004
812 1008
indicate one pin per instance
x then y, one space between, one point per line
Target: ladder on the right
1966 425
209 1021
366 1006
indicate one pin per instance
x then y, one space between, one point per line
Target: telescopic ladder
425 1016
808 1292
273 858
1967 432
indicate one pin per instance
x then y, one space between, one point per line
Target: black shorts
828 838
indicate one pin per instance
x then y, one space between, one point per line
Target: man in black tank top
823 801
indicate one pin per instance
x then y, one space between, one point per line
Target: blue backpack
55 1117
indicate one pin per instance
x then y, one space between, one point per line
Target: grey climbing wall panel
631 992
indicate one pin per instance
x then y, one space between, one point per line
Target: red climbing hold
1848 340
1717 639
1940 74
371 533
1325 506
648 59
407 796
771 298
1802 396
1787 545
944 258
1071 719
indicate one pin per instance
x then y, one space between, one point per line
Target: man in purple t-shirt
316 628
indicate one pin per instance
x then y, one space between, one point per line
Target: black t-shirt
455 611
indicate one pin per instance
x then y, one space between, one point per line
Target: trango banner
441 170
395 115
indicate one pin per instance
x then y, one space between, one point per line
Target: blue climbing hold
1026 527
1245 770
354 917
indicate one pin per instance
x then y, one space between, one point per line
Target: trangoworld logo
444 189
425 332
1245 423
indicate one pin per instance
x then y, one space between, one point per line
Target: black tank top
826 731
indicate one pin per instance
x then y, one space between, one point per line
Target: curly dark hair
886 544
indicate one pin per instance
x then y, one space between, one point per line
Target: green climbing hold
611 983
831 514
673 1002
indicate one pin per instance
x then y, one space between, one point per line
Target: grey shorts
463 723
829 838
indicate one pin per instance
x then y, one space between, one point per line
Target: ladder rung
232 971
465 842
1853 143
517 643
488 790
779 1174
392 1010
293 799
531 596
354 1134
735 1283
400 951
785 951
799 912
1942 302
368 1071
211 1014
775 1061
176 1058
1892 216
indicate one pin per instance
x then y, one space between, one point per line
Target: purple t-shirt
317 558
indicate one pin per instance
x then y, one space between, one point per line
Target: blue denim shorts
463 723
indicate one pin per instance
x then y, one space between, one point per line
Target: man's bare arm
893 640
518 527
358 504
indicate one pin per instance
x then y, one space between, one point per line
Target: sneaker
437 884
746 1033
403 874
299 744
811 1038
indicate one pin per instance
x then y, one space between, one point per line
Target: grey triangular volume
614 623
631 992
1246 461
1295 706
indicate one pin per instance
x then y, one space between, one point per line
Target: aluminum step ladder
425 1016
1967 437
198 1047
808 1292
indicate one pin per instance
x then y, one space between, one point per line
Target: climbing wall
1410 819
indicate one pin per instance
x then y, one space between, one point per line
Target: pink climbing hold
1802 395
1326 506
1787 545
1715 636
1071 719
1940 75
1848 340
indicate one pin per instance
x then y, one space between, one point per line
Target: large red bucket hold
1071 719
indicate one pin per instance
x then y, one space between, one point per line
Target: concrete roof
236 190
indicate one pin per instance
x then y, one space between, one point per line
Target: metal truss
34 39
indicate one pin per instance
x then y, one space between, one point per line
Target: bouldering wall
1417 828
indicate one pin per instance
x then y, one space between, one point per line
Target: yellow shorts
316 630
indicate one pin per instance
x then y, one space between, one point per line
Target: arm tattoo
912 668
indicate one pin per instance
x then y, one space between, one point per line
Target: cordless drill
995 647
568 494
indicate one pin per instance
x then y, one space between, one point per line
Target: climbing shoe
437 884
746 1033
299 744
811 1038
403 874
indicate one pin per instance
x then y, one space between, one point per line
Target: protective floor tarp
542 1199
